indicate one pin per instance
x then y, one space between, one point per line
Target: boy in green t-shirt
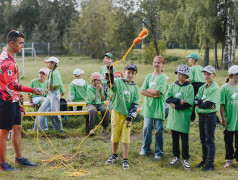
95 102
208 102
41 84
196 77
180 97
125 104
107 60
52 101
229 114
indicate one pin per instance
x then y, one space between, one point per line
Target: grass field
94 151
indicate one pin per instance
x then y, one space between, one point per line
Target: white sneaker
175 161
125 164
142 153
228 163
186 164
111 160
91 132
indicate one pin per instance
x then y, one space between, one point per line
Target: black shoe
201 164
208 168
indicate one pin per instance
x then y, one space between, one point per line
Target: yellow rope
60 157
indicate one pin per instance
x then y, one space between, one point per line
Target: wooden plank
70 104
60 113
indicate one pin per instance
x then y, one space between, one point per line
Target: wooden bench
61 113
70 104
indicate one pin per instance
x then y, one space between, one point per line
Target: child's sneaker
208 168
7 167
92 133
112 159
228 163
186 164
125 164
142 153
175 161
157 157
24 161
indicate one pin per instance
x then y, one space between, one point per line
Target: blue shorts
10 114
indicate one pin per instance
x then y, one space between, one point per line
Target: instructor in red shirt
10 112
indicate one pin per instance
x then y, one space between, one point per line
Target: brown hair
13 35
228 77
161 59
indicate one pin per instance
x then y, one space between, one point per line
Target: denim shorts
10 114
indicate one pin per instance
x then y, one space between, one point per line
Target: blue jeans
51 103
207 125
147 135
37 100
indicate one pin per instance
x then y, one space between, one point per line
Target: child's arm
173 100
222 111
154 92
145 93
96 94
132 112
101 92
110 82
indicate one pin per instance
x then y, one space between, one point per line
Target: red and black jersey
9 79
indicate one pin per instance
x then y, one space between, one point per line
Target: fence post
48 48
32 46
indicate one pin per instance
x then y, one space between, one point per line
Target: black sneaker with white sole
112 159
186 164
175 161
125 164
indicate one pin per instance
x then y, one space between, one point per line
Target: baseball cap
233 69
131 66
209 69
193 55
97 75
109 55
183 69
78 72
52 59
44 70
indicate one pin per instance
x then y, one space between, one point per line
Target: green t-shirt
155 107
56 80
90 96
124 95
229 97
104 70
195 74
79 92
179 120
211 93
36 84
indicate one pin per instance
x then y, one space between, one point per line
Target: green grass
94 151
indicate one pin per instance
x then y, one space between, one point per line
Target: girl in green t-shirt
52 101
154 88
180 96
229 115
95 102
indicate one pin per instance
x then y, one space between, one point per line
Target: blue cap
131 66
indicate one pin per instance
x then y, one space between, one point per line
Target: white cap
209 69
44 70
78 72
52 59
233 69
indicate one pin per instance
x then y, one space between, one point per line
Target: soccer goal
23 59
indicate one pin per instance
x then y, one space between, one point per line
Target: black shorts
10 114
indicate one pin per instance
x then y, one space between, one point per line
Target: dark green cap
109 55
193 55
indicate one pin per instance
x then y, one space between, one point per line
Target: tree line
111 25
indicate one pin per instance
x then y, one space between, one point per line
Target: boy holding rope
10 111
125 105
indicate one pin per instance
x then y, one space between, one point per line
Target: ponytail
228 78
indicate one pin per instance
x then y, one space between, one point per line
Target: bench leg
87 124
